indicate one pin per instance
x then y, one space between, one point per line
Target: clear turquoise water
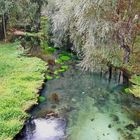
94 108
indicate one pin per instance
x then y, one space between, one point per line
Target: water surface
91 107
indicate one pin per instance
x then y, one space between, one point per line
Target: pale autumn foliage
94 27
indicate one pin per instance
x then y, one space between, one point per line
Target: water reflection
45 129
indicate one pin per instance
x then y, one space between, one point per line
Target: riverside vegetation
20 80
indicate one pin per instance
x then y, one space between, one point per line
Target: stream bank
20 79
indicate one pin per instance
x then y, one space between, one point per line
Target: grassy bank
20 79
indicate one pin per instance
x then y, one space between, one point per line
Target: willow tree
102 32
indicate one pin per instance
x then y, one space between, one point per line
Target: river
84 106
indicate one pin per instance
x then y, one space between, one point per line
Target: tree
5 7
102 31
37 15
20 13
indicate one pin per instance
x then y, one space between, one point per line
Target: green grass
20 80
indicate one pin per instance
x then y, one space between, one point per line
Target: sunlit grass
20 79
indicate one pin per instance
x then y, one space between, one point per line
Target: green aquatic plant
57 77
59 66
48 77
64 67
46 48
62 58
58 61
41 99
56 72
65 57
61 70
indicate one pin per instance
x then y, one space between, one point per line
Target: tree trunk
37 18
4 26
110 73
121 78
126 53
1 29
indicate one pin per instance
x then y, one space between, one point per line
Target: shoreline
22 79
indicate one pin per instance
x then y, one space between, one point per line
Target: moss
20 80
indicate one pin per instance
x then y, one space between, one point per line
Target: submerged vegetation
20 80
